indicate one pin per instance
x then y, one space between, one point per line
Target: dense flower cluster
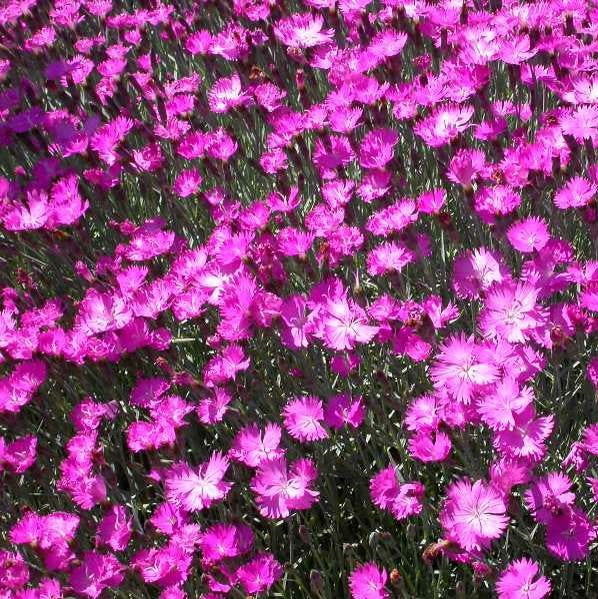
331 262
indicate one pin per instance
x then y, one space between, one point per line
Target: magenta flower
444 124
303 417
252 447
475 271
280 491
528 234
526 438
195 489
344 324
227 93
511 312
431 446
377 148
569 534
302 31
577 193
98 571
115 529
520 580
473 515
342 410
499 407
549 496
401 500
461 367
368 582
259 574
388 257
187 183
222 541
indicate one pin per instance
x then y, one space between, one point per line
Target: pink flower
473 515
526 438
165 566
19 455
390 256
97 572
295 319
444 124
528 234
577 192
303 417
499 407
520 580
187 183
221 541
377 148
475 271
432 446
226 93
115 529
368 582
401 500
14 572
461 366
259 574
549 496
344 324
511 313
342 409
195 489
279 491
213 408
569 534
252 447
302 31
465 166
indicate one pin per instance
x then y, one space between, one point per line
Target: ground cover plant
298 299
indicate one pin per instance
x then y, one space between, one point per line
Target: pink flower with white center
520 580
461 367
368 582
227 93
343 324
528 234
280 490
187 183
259 574
498 408
302 31
473 514
303 417
511 312
444 124
576 193
388 257
195 489
252 447
526 438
